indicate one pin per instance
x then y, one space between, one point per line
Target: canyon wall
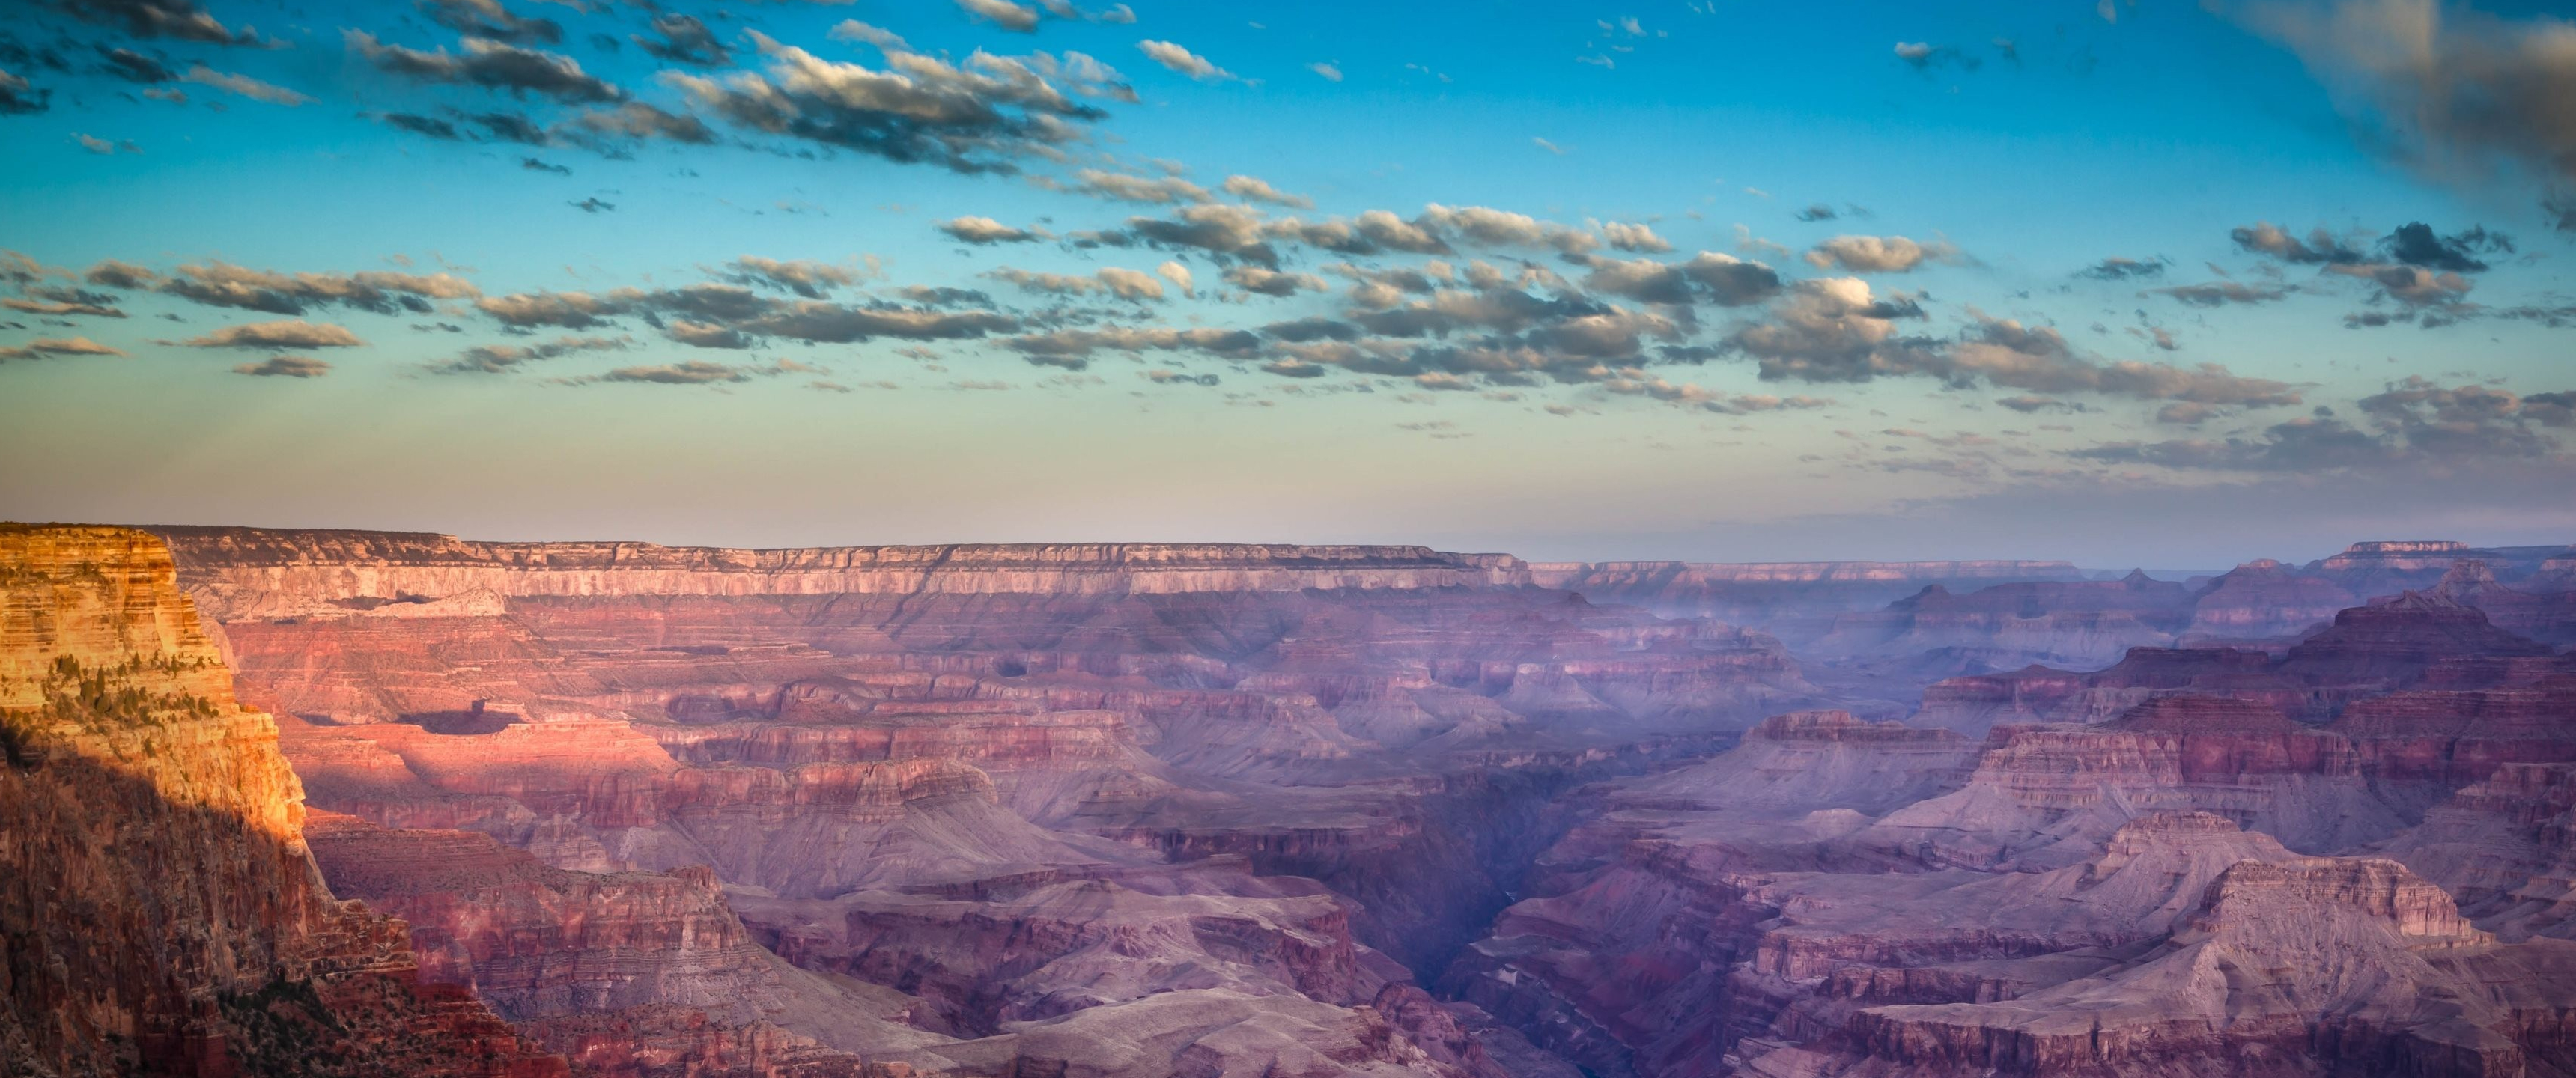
1154 810
158 909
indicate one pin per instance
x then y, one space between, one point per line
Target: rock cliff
161 914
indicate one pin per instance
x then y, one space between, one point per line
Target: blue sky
1705 280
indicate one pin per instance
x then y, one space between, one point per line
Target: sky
2162 282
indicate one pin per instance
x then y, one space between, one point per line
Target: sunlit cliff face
1591 284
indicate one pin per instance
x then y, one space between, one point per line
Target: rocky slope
2347 856
1147 810
158 910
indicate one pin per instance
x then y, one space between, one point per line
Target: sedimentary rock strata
1143 810
161 913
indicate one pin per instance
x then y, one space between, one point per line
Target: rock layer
161 914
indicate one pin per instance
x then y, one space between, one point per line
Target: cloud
1159 190
2116 268
592 205
1229 230
2029 404
570 310
1255 189
1184 61
180 19
695 372
133 66
2319 248
2453 90
1502 228
829 323
2416 244
1072 348
633 119
488 19
1877 254
969 117
985 230
1632 382
285 367
1634 237
1708 276
1126 284
2222 293
1924 56
17 98
62 302
854 30
503 358
2005 352
222 284
686 40
282 334
490 64
810 279
1179 275
1002 13
56 346
2416 425
245 86
1328 72
1267 282
111 273
1834 329
1550 147
1818 212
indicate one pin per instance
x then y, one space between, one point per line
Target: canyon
1200 809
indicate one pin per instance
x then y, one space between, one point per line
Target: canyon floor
289 801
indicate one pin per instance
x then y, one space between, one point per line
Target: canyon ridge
342 802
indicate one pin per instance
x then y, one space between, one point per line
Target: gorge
1152 809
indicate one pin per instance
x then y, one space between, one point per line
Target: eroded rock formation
1142 810
161 914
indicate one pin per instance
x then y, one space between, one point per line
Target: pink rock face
161 914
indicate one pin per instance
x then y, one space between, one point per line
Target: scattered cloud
503 358
488 19
810 279
2116 268
985 230
2453 91
295 333
181 20
975 116
285 367
493 65
684 39
222 284
245 86
1179 59
1877 254
2415 424
1002 13
44 347
1255 189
